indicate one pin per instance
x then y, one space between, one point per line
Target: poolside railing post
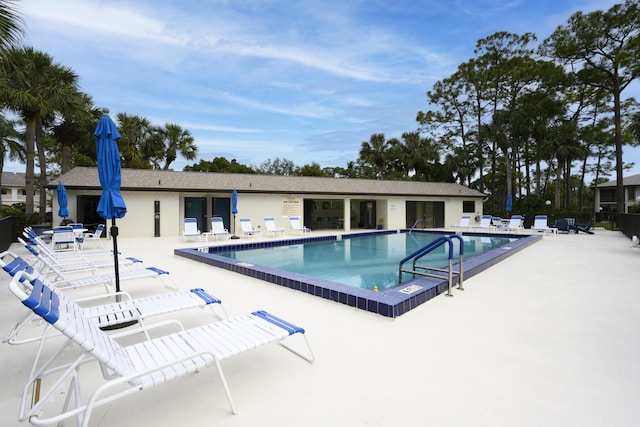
449 294
461 273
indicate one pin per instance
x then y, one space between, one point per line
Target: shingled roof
207 182
628 181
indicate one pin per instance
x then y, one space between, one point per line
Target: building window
468 206
607 195
3 191
631 194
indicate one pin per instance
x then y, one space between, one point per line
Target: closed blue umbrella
234 211
508 203
63 201
111 205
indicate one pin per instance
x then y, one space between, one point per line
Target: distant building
606 194
158 201
14 190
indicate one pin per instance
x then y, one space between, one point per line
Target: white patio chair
270 226
540 224
64 239
137 366
247 228
296 226
464 222
485 223
190 229
515 224
217 228
93 237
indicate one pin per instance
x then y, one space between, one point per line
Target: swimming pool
367 262
391 300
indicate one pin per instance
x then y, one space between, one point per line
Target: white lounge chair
464 222
217 228
124 312
45 261
296 226
62 280
515 224
136 366
43 246
190 229
270 226
247 228
540 224
485 223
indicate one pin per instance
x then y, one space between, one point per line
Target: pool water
361 262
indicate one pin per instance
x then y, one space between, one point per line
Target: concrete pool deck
548 337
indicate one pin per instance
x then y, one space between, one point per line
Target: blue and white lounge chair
124 312
464 222
63 280
540 225
485 223
45 261
296 226
270 226
217 228
190 229
247 228
43 246
134 367
515 224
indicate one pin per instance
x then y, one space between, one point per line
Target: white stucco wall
139 221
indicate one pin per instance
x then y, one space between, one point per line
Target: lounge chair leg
309 358
226 388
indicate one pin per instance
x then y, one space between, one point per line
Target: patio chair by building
190 229
296 226
270 225
217 228
247 228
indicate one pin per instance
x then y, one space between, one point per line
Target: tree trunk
43 170
30 143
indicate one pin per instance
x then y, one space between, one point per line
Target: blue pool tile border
391 302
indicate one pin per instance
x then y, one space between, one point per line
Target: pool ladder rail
423 270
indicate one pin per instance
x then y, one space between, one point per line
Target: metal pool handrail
424 270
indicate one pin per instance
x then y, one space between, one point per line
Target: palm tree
75 131
135 141
10 145
374 154
10 25
176 140
32 85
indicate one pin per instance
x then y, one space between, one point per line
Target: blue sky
253 80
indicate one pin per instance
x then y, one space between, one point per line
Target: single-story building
158 201
606 194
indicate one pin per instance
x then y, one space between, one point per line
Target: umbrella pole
234 228
114 236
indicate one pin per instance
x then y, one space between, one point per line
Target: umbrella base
234 237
